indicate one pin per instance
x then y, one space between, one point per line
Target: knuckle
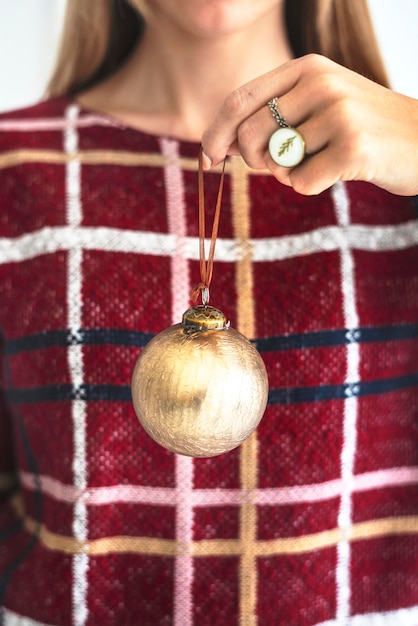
323 80
328 87
314 62
344 113
248 141
338 87
247 132
237 102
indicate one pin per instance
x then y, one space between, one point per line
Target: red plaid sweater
314 519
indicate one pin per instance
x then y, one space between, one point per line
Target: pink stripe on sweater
96 496
180 288
48 124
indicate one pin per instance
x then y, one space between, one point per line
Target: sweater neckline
115 122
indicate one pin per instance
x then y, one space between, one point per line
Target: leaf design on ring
286 145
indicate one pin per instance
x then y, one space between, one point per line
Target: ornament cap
204 317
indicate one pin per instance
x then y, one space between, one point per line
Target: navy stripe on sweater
109 336
282 395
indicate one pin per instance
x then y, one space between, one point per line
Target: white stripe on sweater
349 443
75 363
331 238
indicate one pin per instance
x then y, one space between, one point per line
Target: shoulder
43 109
31 141
31 126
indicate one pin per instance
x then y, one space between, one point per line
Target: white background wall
396 26
29 32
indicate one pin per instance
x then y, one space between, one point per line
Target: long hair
339 29
99 35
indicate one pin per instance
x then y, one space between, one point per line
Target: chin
225 17
216 18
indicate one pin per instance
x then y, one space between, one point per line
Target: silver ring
286 146
272 104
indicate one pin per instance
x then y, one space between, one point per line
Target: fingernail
206 162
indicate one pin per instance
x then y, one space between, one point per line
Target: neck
174 82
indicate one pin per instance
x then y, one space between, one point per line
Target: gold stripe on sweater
245 323
11 158
363 531
93 157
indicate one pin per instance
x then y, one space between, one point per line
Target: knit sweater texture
311 521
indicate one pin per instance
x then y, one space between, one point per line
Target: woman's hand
354 129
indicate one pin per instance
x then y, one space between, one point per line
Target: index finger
241 104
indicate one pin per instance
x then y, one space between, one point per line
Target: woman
314 519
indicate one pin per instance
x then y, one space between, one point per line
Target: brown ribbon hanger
206 267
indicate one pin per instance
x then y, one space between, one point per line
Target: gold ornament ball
200 388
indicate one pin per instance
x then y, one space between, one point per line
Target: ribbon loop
206 267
